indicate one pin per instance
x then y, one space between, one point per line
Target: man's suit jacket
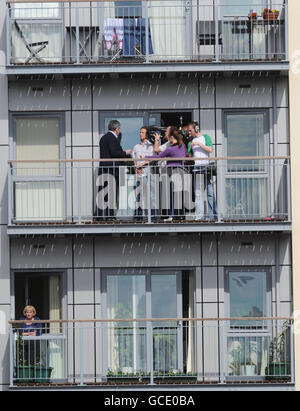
111 148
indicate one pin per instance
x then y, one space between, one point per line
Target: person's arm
156 143
206 147
165 153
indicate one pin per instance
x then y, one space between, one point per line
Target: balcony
120 196
145 351
98 37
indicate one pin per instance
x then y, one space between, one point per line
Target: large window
247 189
248 295
39 186
138 295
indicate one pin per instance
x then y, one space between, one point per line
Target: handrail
153 320
93 160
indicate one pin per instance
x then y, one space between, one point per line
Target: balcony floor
140 66
174 387
125 227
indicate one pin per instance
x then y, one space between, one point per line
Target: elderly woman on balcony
31 347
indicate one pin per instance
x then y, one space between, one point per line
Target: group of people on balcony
172 168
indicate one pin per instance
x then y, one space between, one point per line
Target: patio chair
31 47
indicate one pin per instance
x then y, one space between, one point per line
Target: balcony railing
157 31
116 191
154 351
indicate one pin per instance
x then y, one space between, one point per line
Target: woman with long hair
173 184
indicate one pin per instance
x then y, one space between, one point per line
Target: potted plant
29 373
120 376
278 365
252 15
270 14
248 370
23 371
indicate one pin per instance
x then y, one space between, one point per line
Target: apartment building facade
209 301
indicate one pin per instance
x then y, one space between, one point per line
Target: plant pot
248 370
270 16
24 373
42 374
277 371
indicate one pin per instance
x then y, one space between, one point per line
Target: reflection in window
248 295
245 137
242 7
130 129
127 9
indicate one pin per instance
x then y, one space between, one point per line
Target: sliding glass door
130 345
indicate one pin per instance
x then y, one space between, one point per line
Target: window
126 9
242 7
38 187
139 294
246 136
247 189
248 295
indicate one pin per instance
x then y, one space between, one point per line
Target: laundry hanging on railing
113 33
128 35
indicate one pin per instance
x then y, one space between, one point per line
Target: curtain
112 304
191 326
56 347
168 29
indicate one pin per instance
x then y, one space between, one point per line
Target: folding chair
30 46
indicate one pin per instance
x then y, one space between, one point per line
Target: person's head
144 134
175 136
193 129
115 126
29 312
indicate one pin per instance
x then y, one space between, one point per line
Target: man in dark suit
108 176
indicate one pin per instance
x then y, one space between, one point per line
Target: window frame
246 269
59 177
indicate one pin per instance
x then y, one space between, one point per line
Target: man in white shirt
201 147
143 149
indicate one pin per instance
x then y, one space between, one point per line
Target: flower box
270 15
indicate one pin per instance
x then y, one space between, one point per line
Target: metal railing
244 189
157 31
154 351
